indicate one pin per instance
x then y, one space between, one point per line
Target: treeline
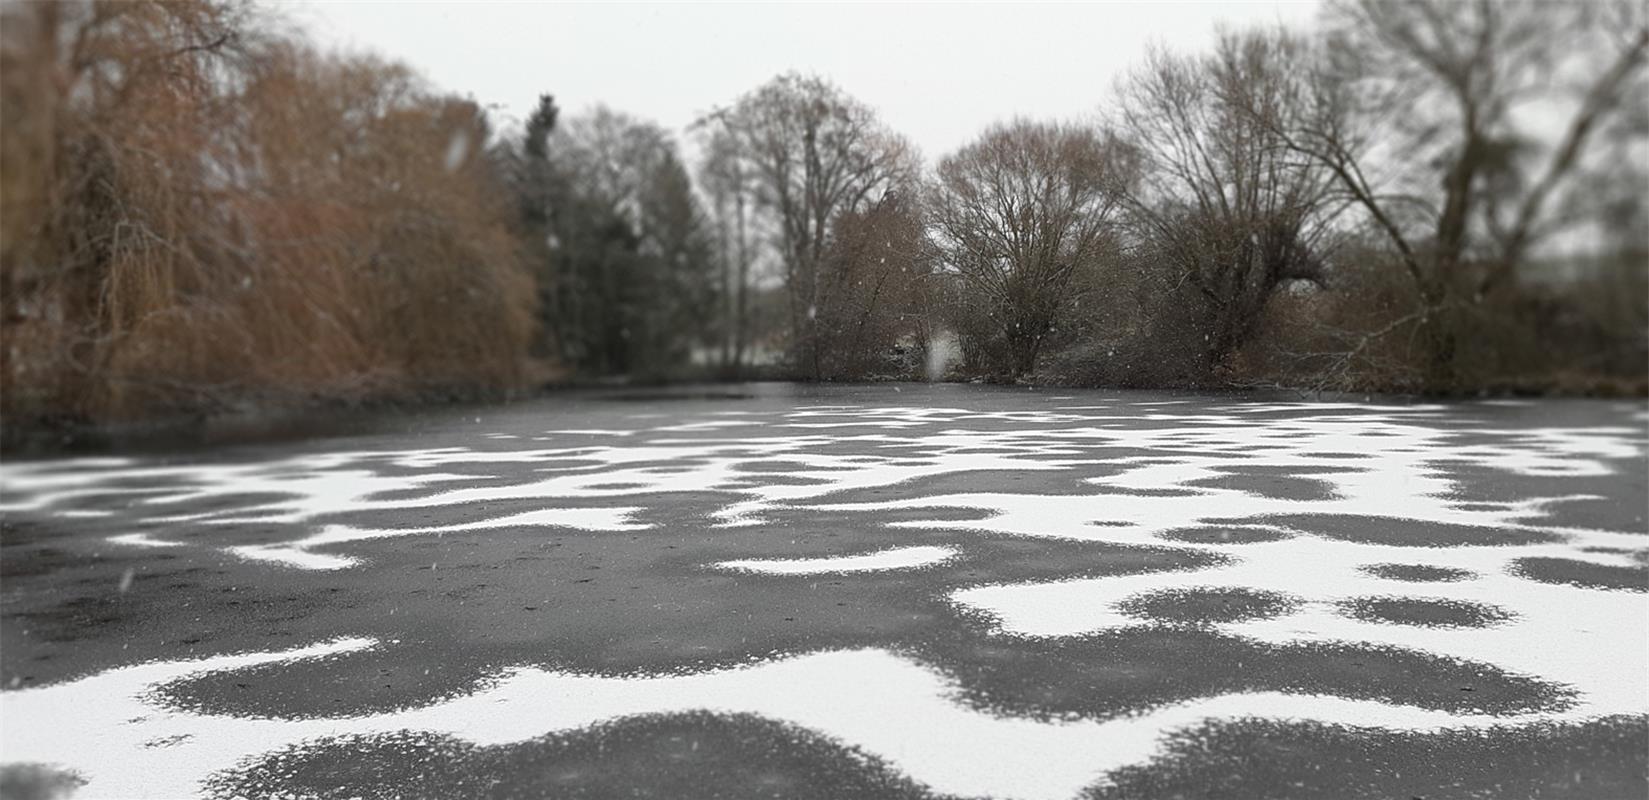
201 212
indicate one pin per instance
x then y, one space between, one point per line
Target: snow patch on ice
891 559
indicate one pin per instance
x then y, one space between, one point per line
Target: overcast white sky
938 72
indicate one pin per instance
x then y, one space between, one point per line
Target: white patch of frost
892 558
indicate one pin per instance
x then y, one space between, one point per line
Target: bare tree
1226 207
1017 214
875 282
813 153
728 183
1448 87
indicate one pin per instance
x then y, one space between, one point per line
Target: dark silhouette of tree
1016 216
1413 106
630 254
1225 207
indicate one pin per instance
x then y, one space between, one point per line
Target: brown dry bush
1356 331
199 213
875 288
1361 332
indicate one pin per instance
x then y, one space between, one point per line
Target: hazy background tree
523 163
813 154
631 265
1016 217
729 186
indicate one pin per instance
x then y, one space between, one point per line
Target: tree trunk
741 322
1438 336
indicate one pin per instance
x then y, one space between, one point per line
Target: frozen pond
884 591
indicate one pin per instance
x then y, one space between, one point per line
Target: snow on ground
1156 469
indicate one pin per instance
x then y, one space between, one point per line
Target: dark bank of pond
253 425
